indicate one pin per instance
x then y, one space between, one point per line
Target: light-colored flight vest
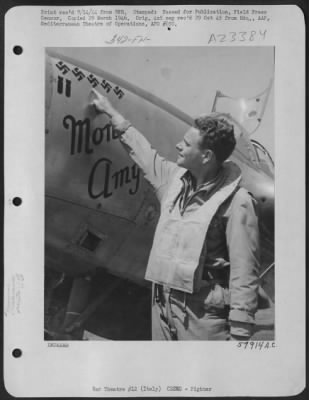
176 258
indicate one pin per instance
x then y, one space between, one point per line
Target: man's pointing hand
101 103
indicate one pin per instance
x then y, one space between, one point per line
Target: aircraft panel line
88 208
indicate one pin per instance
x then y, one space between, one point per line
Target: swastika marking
118 92
106 86
78 73
93 80
62 67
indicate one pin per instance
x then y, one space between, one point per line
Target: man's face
190 155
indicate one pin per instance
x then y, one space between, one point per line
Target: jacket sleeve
242 235
157 170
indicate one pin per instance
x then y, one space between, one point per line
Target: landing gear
79 298
59 318
78 312
96 306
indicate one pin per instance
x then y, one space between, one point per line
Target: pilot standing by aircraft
204 261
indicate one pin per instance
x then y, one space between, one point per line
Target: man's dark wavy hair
217 134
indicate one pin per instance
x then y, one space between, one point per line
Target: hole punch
16 353
17 50
17 201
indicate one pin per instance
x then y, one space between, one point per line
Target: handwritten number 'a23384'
245 36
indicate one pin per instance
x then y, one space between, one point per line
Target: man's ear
207 156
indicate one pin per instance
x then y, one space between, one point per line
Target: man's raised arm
157 170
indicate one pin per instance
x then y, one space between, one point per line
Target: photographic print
154 201
101 208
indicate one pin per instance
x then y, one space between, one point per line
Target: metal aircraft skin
99 210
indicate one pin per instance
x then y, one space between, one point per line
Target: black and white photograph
159 212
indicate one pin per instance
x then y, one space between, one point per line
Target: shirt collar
228 173
188 181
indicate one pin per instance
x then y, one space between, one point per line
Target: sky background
188 77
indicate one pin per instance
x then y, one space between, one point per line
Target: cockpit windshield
263 158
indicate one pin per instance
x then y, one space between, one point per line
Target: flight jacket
232 241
